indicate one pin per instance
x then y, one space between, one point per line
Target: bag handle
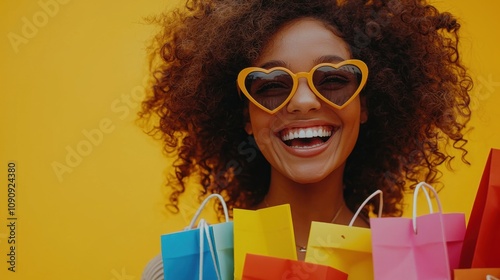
203 227
377 192
428 198
415 194
204 203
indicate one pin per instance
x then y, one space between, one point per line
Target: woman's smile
306 137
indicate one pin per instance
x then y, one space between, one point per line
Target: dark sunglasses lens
337 85
269 89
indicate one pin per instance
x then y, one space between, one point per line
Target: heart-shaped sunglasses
271 89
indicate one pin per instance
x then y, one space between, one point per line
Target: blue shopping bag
205 252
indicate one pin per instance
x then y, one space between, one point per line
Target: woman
312 103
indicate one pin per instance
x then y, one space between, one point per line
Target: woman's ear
248 124
248 128
364 110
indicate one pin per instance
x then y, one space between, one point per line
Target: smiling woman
333 117
307 160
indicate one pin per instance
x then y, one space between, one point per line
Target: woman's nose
304 100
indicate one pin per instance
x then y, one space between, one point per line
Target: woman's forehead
304 39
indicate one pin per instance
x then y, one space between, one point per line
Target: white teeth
306 133
306 147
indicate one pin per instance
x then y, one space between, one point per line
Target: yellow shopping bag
266 232
345 248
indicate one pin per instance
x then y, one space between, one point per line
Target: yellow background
71 79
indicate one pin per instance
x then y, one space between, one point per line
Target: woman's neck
321 201
316 201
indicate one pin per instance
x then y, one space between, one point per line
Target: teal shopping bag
222 236
205 252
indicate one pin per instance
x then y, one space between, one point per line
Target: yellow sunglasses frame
308 75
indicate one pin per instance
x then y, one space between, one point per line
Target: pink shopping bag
418 248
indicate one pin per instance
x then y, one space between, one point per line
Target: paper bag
346 248
269 268
420 248
266 232
204 253
482 239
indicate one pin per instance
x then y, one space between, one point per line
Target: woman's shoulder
154 269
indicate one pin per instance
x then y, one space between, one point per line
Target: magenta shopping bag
419 248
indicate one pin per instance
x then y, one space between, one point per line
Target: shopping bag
204 253
266 232
346 248
418 248
482 242
476 273
259 267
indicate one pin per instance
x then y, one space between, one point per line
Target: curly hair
417 94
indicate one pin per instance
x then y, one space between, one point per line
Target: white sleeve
154 269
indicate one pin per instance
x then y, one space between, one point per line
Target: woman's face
299 46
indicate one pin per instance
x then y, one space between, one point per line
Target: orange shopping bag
482 239
270 268
476 274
